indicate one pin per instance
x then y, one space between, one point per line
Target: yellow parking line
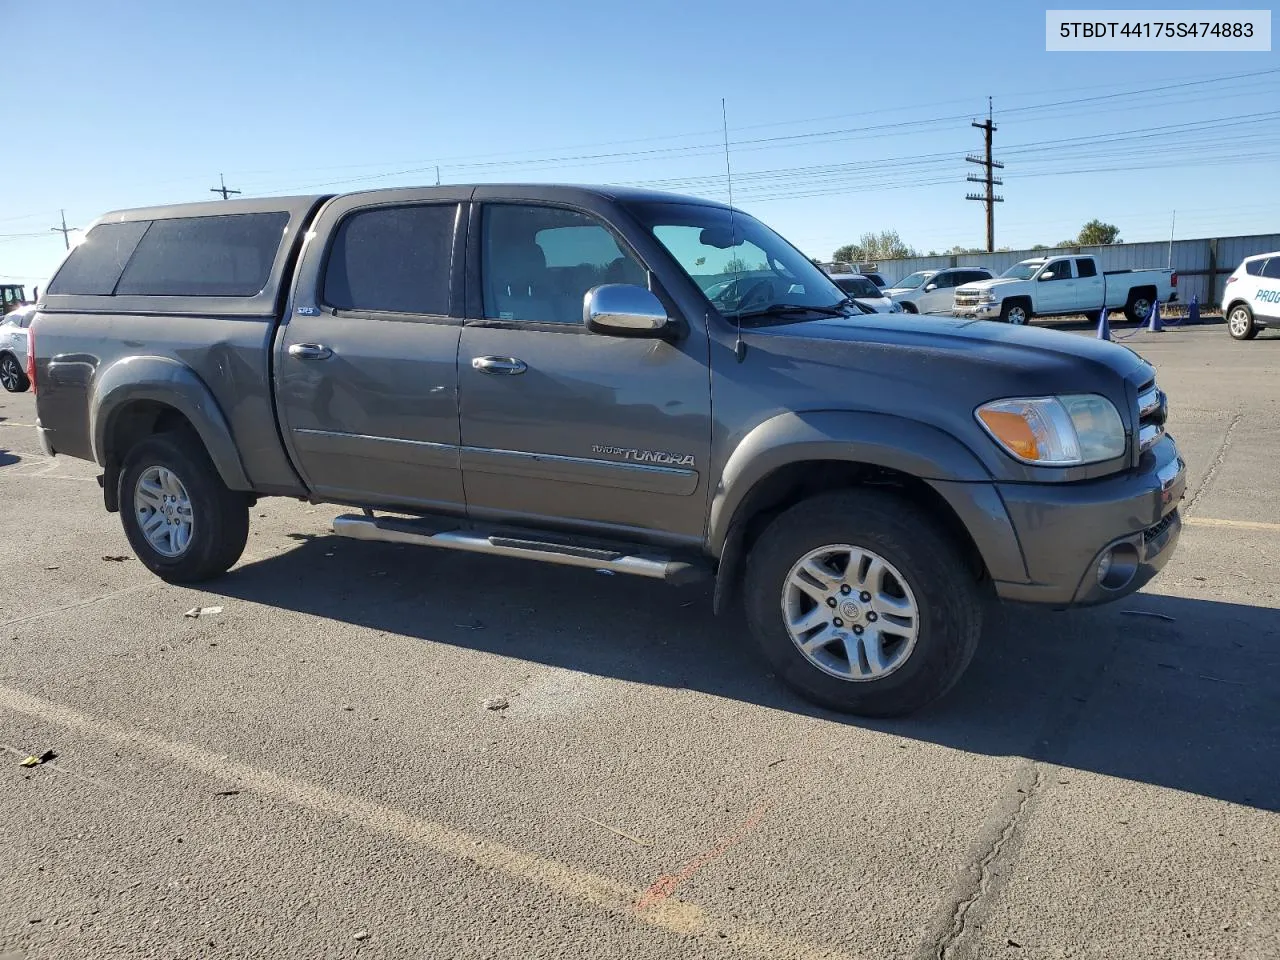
1237 524
16 423
592 889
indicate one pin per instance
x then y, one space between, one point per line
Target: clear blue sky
133 103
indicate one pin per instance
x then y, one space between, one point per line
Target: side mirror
624 310
1047 275
930 287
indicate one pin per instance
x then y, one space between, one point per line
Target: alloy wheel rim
164 512
9 373
850 612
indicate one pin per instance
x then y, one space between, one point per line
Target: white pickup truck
1055 286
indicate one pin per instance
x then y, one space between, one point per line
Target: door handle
499 366
310 351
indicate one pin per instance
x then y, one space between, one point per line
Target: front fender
173 384
878 439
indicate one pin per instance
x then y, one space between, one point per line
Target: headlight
986 296
1055 431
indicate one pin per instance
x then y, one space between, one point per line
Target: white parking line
584 886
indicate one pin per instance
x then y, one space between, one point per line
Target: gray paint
649 440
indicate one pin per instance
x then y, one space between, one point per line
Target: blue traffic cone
1153 323
1104 328
1193 310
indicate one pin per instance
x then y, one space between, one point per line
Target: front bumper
977 311
1066 529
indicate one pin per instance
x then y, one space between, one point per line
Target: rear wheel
180 518
863 603
12 377
1240 323
1138 309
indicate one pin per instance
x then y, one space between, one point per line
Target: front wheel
862 603
12 376
180 518
1240 323
1015 313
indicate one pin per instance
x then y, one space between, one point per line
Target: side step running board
388 530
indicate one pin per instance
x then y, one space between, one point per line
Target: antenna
739 348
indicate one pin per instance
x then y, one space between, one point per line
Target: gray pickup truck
610 379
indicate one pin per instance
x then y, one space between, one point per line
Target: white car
1251 300
13 349
863 290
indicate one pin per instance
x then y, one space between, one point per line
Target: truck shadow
8 459
1169 691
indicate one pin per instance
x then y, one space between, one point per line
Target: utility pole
991 181
65 230
222 188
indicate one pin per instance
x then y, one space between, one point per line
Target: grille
1153 410
963 299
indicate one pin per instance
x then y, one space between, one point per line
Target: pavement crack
982 870
1214 464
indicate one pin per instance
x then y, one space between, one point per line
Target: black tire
947 591
12 377
1240 322
1138 307
1009 312
909 308
220 524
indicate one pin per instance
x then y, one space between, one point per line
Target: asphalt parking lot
314 770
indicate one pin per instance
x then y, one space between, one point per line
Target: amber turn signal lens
1013 431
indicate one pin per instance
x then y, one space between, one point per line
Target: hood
950 362
988 284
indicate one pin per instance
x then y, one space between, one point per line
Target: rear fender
170 383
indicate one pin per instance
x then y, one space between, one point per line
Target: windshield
744 272
914 280
857 286
1022 271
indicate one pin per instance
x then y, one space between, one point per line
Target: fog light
1118 566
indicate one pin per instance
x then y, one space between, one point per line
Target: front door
366 368
1056 288
562 427
942 297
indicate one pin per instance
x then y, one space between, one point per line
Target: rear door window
393 260
1086 268
222 256
1272 270
93 268
1254 267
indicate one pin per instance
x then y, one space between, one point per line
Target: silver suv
932 291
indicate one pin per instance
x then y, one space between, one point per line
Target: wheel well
1237 303
789 485
1137 291
909 307
128 427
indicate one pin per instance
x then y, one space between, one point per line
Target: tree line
887 245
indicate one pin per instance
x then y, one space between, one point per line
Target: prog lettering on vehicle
645 456
1269 296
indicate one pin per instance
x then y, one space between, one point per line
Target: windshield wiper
784 309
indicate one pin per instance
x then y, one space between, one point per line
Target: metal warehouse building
1203 265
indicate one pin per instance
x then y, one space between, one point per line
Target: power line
222 188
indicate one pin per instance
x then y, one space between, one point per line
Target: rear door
1090 285
562 427
366 365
